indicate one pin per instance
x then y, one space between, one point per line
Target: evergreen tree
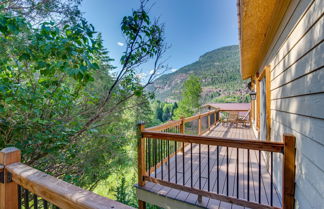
121 193
189 102
175 106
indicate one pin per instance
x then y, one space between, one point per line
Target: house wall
296 59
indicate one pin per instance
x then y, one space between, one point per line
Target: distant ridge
219 71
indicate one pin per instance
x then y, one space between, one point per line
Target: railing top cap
9 149
59 192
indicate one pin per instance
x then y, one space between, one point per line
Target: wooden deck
241 169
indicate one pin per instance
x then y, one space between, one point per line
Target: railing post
208 122
8 188
141 160
182 126
182 131
199 125
288 183
217 115
215 119
141 155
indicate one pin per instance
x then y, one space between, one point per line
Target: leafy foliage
61 104
122 195
126 193
189 102
38 11
163 111
42 78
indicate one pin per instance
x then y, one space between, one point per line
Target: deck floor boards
235 171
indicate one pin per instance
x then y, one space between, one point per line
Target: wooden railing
198 124
22 186
169 156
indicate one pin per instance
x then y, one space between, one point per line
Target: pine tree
189 102
121 192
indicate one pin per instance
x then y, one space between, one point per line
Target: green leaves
145 39
55 80
43 79
190 94
11 25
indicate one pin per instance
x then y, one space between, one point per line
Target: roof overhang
259 21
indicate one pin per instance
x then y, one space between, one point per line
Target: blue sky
193 27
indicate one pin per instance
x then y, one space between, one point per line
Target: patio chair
245 119
232 118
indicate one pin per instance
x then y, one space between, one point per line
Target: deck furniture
232 118
245 119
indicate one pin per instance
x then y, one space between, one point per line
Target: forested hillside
219 73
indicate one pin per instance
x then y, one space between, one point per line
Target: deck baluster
199 164
217 169
208 168
168 144
237 173
26 199
259 176
191 178
149 155
227 176
155 157
35 201
176 162
183 164
248 175
45 204
146 159
271 179
19 197
161 160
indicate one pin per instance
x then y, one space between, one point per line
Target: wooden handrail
207 113
174 123
234 110
195 117
169 124
189 119
58 192
218 141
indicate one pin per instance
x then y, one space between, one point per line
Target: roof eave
257 30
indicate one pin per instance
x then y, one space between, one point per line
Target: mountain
219 72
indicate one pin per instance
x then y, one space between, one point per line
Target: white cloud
120 44
141 75
174 69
